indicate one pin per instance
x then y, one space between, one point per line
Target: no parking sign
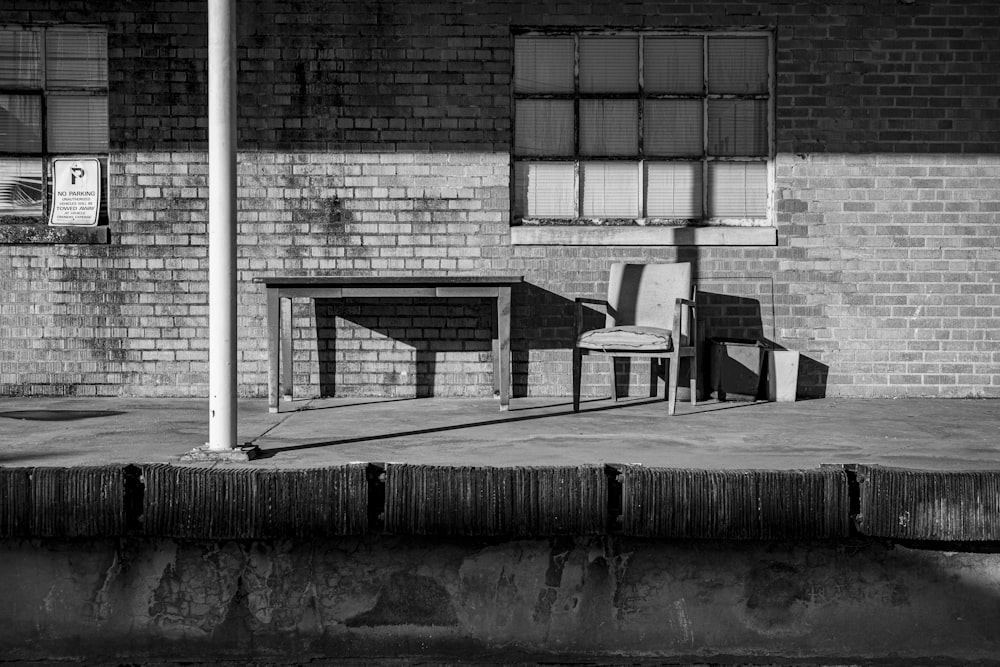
76 192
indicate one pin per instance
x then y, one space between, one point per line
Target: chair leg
577 376
654 376
614 379
674 374
693 381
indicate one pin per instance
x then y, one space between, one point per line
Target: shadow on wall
729 317
412 347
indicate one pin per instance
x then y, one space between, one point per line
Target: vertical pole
222 224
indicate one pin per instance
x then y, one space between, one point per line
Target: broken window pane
20 186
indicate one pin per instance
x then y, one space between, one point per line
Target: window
53 103
642 128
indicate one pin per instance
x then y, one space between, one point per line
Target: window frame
35 228
531 229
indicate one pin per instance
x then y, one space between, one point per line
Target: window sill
42 234
573 235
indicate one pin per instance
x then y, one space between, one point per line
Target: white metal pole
222 224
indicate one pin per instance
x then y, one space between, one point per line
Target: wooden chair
650 312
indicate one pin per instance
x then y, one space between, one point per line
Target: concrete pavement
927 434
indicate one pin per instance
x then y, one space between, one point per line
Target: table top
456 279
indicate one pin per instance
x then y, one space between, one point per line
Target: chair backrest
645 294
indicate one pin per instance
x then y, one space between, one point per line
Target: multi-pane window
672 128
53 103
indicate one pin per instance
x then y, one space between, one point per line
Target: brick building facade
376 137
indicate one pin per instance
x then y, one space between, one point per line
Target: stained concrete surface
930 434
582 601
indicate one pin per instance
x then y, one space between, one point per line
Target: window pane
609 64
20 57
544 190
673 65
737 189
543 127
673 127
78 123
737 65
76 58
673 189
610 189
543 64
20 186
20 123
737 127
609 127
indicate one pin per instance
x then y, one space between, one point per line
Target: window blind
737 189
737 65
737 127
543 64
673 190
673 65
75 58
609 127
20 58
609 64
77 123
673 127
543 127
545 189
20 123
610 189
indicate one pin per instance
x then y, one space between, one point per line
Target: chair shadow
409 339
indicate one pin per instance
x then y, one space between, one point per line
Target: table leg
273 332
286 351
503 345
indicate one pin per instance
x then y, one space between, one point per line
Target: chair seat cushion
636 338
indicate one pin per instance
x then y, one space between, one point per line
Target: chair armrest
578 313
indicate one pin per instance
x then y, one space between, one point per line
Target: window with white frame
648 128
53 103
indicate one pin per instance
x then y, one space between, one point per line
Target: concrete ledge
207 503
195 502
63 502
642 236
39 233
928 505
488 501
735 504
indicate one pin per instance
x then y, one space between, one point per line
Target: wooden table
279 328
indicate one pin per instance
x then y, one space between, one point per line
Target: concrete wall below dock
361 598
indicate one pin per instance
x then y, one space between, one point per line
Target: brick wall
374 138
